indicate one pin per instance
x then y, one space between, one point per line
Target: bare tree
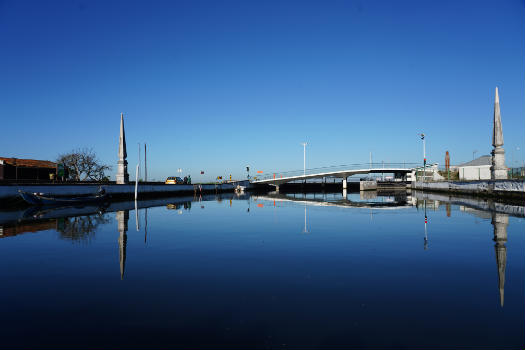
83 165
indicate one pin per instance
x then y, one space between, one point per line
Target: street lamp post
138 173
304 157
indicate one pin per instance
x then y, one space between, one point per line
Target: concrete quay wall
507 188
120 191
366 185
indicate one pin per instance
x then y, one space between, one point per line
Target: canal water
266 271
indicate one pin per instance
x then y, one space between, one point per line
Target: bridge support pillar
344 183
344 193
277 188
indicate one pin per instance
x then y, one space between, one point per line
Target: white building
477 169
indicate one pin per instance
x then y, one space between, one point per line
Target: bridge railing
314 171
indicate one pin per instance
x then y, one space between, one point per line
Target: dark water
266 272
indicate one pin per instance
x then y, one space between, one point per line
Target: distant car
173 180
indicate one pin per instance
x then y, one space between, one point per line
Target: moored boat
40 199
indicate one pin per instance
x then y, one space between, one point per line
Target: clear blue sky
218 85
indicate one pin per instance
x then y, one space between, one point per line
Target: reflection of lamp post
145 224
137 219
305 230
425 244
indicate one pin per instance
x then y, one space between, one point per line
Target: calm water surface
265 272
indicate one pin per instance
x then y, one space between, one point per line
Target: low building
477 169
26 169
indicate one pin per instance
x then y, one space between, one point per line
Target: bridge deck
280 178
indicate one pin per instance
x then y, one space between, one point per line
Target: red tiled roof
30 163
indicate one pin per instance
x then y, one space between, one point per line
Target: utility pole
138 166
424 157
136 185
304 158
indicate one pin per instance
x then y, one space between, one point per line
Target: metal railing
332 169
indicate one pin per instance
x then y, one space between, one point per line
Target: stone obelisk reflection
500 223
122 219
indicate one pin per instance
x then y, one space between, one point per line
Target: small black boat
40 199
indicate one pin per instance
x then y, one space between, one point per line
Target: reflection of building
24 227
500 222
74 228
122 219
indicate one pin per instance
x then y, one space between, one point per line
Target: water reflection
425 243
16 228
82 223
305 229
497 212
76 228
500 223
145 225
177 206
80 228
122 222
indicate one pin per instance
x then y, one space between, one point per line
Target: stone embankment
497 188
10 194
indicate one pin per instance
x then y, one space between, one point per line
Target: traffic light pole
424 158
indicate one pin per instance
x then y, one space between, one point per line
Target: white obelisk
498 170
122 171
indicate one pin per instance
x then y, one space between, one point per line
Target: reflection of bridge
342 203
401 171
